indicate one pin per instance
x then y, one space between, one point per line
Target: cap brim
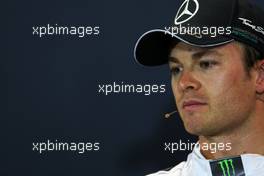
153 47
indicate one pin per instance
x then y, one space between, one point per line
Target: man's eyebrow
200 54
197 55
173 59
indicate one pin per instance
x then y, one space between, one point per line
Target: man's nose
188 81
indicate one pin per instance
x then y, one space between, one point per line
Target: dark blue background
51 86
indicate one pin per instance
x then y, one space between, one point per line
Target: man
217 80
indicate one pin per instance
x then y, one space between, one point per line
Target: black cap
204 23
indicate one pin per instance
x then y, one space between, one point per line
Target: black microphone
167 115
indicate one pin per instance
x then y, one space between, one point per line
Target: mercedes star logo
185 13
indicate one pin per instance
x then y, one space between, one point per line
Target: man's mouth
191 105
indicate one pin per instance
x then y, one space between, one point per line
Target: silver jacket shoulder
252 165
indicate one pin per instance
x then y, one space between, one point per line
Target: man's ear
260 77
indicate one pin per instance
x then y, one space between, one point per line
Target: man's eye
176 70
207 64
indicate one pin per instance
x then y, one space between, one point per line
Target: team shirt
196 164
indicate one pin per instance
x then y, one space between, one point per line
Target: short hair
251 56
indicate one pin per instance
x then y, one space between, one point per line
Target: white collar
253 163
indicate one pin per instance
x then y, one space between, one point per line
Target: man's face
213 93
